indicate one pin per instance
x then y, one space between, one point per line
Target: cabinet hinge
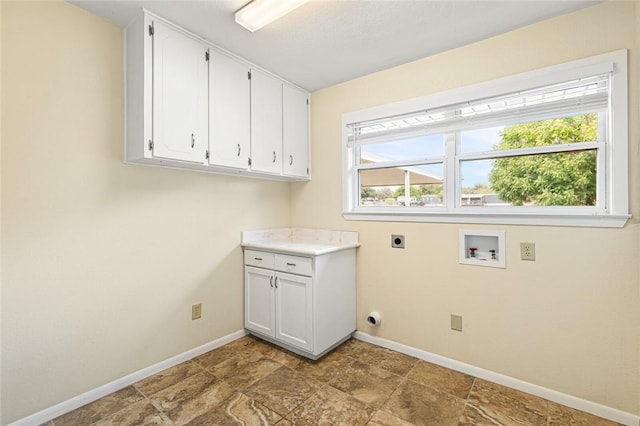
249 75
249 160
150 29
206 154
206 56
150 145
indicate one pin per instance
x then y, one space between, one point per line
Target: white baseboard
548 394
83 399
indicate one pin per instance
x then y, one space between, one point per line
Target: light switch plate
196 311
456 322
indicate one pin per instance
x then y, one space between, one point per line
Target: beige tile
326 368
167 378
239 409
493 404
284 357
367 383
192 397
382 418
355 348
423 405
330 406
142 413
393 361
244 369
223 353
561 415
100 409
276 353
283 390
441 378
384 358
280 383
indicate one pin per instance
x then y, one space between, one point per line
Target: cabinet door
294 310
266 123
229 113
295 121
259 300
180 92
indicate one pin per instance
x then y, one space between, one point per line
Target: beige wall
102 260
569 321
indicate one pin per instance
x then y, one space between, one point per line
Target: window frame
612 159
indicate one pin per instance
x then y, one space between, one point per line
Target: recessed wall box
397 241
482 248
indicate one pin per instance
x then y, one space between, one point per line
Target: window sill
537 219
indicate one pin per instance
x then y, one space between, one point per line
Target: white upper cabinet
229 111
190 104
295 128
167 81
180 103
266 122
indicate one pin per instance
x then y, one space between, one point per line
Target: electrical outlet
196 311
527 251
456 322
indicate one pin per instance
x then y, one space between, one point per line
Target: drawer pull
276 282
259 259
291 264
271 281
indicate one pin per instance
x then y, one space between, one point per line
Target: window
545 147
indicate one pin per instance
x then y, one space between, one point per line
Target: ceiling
326 42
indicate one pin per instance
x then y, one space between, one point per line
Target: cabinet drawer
293 264
260 259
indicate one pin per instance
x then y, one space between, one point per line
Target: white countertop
313 242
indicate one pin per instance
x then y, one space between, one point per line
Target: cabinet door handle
238 150
271 281
276 282
193 140
259 259
291 264
274 156
291 159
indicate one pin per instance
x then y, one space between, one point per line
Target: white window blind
584 95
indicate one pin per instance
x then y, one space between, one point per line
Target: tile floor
250 382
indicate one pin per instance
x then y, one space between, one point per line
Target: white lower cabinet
305 304
279 305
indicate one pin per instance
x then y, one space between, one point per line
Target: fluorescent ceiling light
258 13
